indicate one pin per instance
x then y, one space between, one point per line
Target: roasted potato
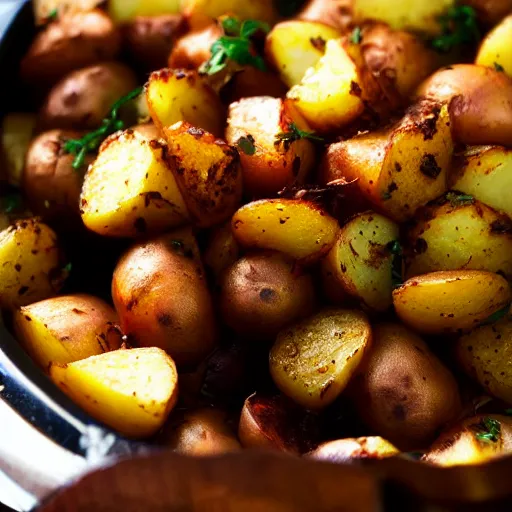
491 11
148 130
222 250
485 173
74 41
125 11
300 229
474 441
480 100
345 450
207 171
450 301
262 293
294 46
43 9
31 263
313 361
485 353
269 162
179 95
496 49
403 392
361 261
82 99
66 329
336 13
132 391
162 300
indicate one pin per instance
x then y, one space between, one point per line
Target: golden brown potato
132 391
262 293
313 361
491 11
162 300
74 41
480 100
474 441
300 229
222 250
44 8
179 95
200 432
403 392
450 301
82 99
149 39
361 261
30 263
122 10
485 173
269 164
130 189
496 49
345 450
66 329
485 353
207 171
336 13
50 183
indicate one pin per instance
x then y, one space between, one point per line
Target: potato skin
496 48
262 293
75 40
336 13
491 11
346 450
162 300
82 99
222 250
403 391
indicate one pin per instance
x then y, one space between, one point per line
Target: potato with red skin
161 297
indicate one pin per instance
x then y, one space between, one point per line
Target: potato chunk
130 189
298 228
132 391
345 450
127 10
496 49
66 329
313 361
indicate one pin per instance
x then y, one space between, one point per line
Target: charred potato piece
130 189
30 263
132 391
313 361
269 163
207 171
345 450
496 49
262 293
300 229
124 11
74 41
162 299
222 250
450 301
66 329
82 99
403 392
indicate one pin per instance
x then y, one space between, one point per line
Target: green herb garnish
356 36
491 430
459 26
246 144
499 67
508 412
235 45
294 133
92 140
395 248
68 268
11 203
52 15
495 317
456 199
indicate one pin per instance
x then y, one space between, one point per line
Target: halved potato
313 360
496 49
179 95
132 391
130 189
361 261
207 171
345 450
301 229
222 250
66 329
451 301
126 10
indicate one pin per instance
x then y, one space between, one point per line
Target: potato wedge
130 189
345 450
179 95
361 261
450 301
496 49
301 229
486 174
222 250
66 329
127 10
132 391
30 263
207 171
313 360
269 165
485 353
460 234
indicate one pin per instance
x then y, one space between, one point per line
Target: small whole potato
496 49
262 293
82 99
403 391
73 41
345 450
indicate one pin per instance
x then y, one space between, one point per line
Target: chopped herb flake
246 144
53 14
499 67
11 203
508 412
491 430
68 268
458 27
457 199
495 317
395 248
294 133
356 36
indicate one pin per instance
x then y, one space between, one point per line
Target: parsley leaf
246 144
459 26
52 15
495 317
457 199
68 268
10 203
491 430
92 140
395 248
294 133
499 67
356 36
